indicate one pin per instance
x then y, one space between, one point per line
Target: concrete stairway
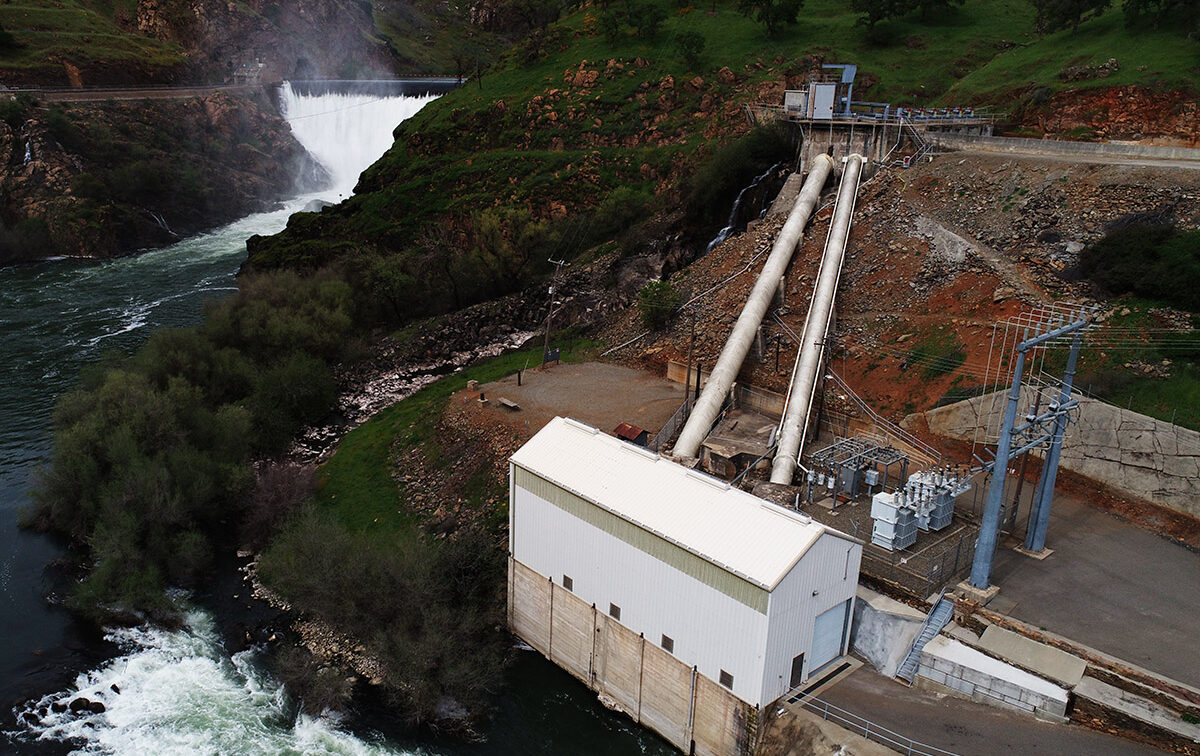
939 617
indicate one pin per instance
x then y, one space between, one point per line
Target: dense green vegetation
1155 261
425 600
151 462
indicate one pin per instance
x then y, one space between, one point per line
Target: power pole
550 308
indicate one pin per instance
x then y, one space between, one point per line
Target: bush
690 44
657 302
430 611
14 110
1156 261
7 40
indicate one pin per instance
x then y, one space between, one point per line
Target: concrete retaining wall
950 665
883 630
1135 454
1066 149
630 674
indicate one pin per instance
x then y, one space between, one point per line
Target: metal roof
735 530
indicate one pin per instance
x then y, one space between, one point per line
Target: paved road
966 727
1130 160
1110 585
136 93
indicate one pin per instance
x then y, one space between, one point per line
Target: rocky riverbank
101 179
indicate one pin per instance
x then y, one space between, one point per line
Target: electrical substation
661 568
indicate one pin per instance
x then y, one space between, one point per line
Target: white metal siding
830 568
711 630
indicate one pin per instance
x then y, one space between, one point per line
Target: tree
1053 15
874 11
773 14
1182 14
646 19
690 44
657 302
929 7
7 40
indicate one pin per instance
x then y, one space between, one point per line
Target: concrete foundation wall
1135 454
1056 147
883 630
628 672
956 668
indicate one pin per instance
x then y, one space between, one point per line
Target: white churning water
343 131
180 693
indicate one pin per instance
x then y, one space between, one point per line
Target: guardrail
870 730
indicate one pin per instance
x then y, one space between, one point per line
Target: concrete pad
981 597
1046 661
1136 707
1038 555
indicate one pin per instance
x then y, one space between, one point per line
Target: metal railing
870 730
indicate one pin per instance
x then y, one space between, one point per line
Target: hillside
601 131
113 42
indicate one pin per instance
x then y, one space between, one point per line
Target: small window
614 611
568 583
727 679
668 644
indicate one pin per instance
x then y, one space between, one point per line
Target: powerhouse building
624 563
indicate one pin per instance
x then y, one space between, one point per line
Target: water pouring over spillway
346 132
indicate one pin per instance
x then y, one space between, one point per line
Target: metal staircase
938 617
922 147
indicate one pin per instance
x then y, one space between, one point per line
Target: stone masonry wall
1135 454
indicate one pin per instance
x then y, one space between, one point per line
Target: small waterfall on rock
735 212
346 132
28 152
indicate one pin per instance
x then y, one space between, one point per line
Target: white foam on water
180 693
346 132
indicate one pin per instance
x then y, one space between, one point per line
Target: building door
828 632
797 672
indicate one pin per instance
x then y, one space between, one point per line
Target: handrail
871 730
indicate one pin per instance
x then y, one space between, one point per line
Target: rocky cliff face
97 180
269 39
1120 113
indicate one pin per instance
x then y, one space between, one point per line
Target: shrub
7 40
14 110
690 44
657 302
1151 260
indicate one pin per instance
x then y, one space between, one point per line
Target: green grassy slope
81 33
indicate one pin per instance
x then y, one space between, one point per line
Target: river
180 692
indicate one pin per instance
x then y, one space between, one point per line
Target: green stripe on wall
643 540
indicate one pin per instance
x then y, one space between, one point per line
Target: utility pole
550 308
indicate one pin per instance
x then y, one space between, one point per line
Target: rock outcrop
103 179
